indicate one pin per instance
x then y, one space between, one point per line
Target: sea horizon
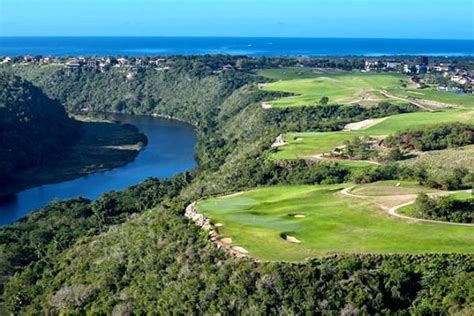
251 46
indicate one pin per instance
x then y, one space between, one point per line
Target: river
170 150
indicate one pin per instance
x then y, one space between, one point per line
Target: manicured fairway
342 88
310 85
306 145
332 223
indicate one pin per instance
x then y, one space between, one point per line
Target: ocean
166 46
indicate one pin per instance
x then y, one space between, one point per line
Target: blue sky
277 18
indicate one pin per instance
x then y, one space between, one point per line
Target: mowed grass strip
332 223
307 145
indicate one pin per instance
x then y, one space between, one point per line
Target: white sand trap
226 240
266 105
240 250
363 124
299 216
218 224
299 139
279 141
292 239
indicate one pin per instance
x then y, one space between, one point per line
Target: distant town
449 75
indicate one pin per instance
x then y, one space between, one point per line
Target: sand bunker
226 240
363 124
218 225
279 141
240 250
291 239
266 105
296 215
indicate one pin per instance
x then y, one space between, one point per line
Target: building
441 68
73 63
392 64
6 60
421 68
461 79
92 63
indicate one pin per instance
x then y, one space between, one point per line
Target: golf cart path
393 210
322 157
391 96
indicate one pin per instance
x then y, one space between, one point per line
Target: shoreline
66 168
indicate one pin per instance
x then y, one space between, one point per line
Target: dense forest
133 252
33 127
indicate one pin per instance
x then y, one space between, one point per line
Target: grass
333 223
443 162
340 87
306 145
310 85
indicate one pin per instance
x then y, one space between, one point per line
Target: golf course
296 222
292 223
308 144
308 86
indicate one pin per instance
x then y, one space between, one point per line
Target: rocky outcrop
203 221
279 141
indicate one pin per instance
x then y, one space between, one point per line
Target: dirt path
391 96
321 157
365 124
393 210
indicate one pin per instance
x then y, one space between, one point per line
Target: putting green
258 220
307 145
310 85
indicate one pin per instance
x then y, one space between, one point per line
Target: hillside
33 127
133 252
41 144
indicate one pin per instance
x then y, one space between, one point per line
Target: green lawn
333 223
310 85
340 87
306 145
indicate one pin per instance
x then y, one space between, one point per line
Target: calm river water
170 150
